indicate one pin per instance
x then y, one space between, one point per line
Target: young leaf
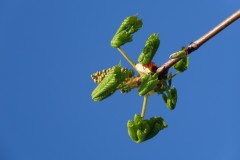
149 82
150 49
182 65
99 75
132 130
171 98
110 83
125 32
141 130
156 124
179 54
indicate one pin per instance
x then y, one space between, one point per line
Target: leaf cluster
147 81
141 130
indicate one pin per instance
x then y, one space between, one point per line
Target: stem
126 57
175 74
195 45
144 107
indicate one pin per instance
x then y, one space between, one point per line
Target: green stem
126 57
175 74
144 107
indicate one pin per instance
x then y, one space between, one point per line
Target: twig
195 45
162 70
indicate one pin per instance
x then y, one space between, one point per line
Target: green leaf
99 75
149 82
171 98
156 124
132 130
110 83
182 65
125 88
150 49
141 130
180 54
125 32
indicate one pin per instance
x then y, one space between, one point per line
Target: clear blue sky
49 48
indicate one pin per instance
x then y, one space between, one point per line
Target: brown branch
195 45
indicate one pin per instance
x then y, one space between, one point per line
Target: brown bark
196 44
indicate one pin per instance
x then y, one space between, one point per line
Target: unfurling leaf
100 75
141 130
156 124
180 54
150 49
110 83
182 65
149 82
125 32
171 98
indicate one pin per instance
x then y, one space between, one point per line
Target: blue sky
48 49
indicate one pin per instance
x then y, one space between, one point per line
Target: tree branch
195 45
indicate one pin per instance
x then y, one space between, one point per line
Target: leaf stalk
144 107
